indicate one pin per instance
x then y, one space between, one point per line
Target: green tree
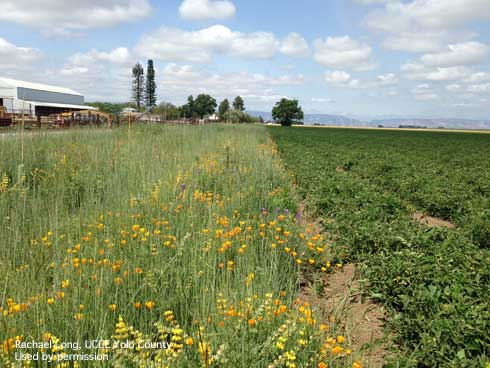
138 87
204 105
167 110
237 116
224 106
111 108
238 104
151 87
189 110
287 112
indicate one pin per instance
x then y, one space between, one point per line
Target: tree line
143 93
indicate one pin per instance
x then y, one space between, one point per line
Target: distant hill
433 123
391 122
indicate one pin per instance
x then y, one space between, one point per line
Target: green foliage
150 87
138 85
204 105
224 106
435 282
237 116
189 109
111 108
167 110
238 104
287 112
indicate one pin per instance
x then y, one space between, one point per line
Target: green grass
434 282
174 234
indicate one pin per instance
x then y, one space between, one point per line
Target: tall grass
185 235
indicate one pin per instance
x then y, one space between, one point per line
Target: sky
361 58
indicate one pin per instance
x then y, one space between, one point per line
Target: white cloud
457 54
424 92
68 16
479 88
74 70
338 77
414 42
343 79
426 25
322 100
294 45
119 55
385 80
171 44
179 81
453 87
100 75
428 14
343 52
418 71
207 9
15 57
448 74
478 77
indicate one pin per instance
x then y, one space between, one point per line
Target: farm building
19 97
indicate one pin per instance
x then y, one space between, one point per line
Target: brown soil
432 221
361 322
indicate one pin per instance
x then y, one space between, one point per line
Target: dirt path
360 322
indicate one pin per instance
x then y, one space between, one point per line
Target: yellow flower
337 350
189 341
137 305
252 322
340 339
112 307
290 355
149 305
356 365
50 301
322 365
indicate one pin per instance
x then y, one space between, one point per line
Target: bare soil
432 221
360 321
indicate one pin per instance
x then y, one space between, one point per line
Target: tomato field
371 188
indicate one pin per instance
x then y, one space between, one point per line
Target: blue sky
362 58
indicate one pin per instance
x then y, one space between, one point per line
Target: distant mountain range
434 123
340 120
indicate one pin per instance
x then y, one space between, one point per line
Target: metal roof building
38 99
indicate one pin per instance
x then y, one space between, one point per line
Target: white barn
38 99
